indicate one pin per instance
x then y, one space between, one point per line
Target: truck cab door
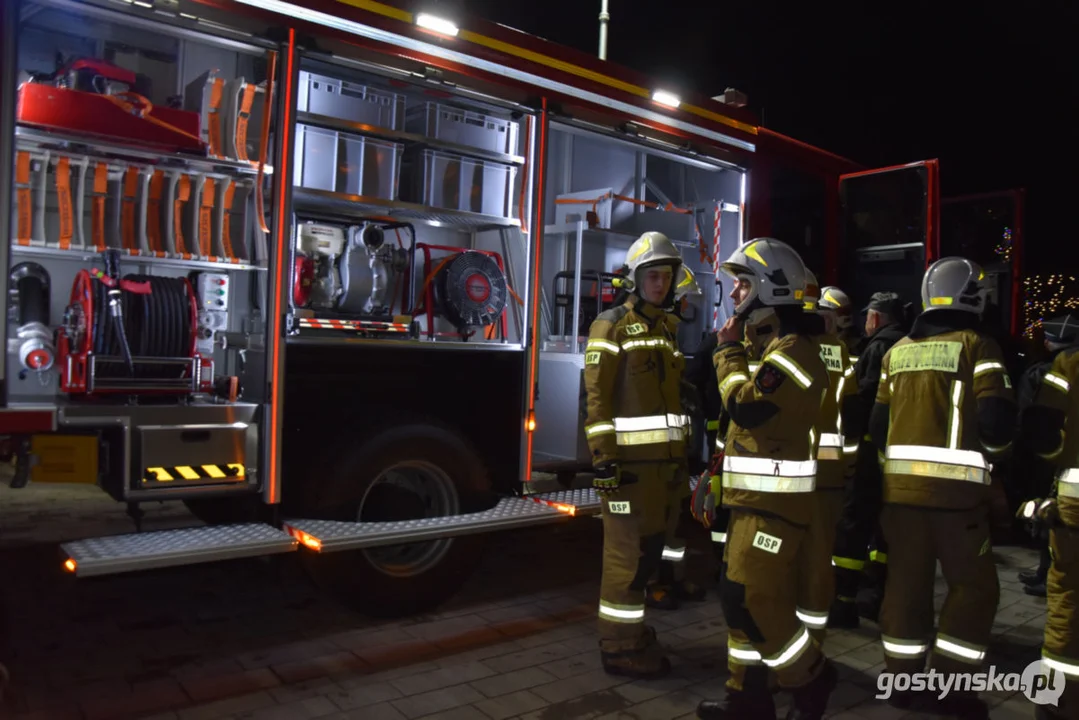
988 229
889 230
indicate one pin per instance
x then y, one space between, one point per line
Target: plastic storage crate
464 127
457 183
353 164
345 100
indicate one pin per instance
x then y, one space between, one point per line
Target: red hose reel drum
174 311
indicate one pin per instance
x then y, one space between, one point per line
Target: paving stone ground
252 640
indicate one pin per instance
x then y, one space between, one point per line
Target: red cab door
889 230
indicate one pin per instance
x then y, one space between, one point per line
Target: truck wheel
409 472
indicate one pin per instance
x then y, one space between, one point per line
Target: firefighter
1051 428
943 393
839 416
636 433
858 524
700 372
672 588
839 303
769 469
1061 332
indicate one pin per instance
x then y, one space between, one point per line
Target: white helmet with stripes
774 271
954 283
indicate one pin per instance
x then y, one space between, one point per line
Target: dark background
989 87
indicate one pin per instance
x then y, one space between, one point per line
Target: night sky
989 88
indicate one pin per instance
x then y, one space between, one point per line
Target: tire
225 510
406 472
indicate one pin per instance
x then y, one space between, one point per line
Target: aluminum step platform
514 512
116 554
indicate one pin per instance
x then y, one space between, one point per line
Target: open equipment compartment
604 191
138 275
403 235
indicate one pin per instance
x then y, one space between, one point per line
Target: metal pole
604 18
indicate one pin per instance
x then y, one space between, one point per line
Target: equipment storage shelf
344 163
142 184
407 138
356 206
449 181
462 127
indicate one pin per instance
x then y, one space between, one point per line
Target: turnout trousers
1060 651
917 539
759 598
634 530
816 583
858 525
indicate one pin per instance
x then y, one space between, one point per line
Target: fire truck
322 271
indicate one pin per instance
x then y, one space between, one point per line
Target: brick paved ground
252 640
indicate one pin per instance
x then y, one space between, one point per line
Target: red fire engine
319 270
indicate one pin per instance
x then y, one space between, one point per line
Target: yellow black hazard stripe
230 471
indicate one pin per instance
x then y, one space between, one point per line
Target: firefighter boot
754 700
811 700
661 597
689 591
844 614
646 661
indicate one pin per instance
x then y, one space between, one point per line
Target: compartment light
436 24
666 98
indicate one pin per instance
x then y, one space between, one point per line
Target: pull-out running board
167 548
334 535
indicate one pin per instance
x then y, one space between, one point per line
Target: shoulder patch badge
768 378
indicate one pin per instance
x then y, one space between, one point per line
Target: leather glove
607 480
1040 512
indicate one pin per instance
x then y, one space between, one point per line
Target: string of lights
1046 296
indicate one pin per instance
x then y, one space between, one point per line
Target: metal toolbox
449 181
352 164
350 101
464 127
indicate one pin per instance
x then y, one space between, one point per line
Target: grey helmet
649 250
954 283
686 285
775 272
837 301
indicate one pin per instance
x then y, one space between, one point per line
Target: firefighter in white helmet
636 432
768 480
841 425
672 587
944 397
839 303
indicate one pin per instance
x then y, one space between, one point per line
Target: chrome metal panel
168 548
172 445
559 434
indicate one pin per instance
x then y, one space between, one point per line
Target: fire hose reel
471 290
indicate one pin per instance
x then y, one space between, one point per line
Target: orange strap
226 239
217 89
138 105
97 216
241 121
153 212
206 212
183 194
127 212
25 207
63 202
264 143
